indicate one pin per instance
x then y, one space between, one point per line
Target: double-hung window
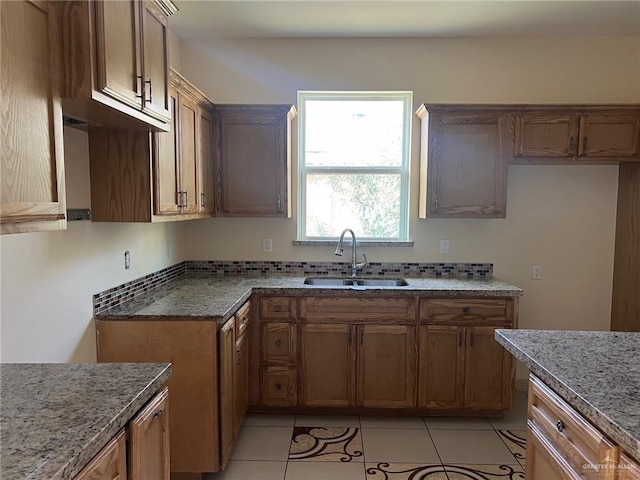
354 164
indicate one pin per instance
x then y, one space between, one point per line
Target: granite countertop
218 298
55 417
597 373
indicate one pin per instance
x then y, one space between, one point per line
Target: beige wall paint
562 217
48 279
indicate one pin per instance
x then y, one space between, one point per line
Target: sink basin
356 282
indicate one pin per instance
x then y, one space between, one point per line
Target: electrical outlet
127 260
536 272
169 249
444 247
267 245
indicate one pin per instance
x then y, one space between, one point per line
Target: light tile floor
323 447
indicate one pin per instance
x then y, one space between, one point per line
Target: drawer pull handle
158 414
278 342
466 310
278 386
560 425
277 308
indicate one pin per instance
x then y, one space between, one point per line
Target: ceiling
402 18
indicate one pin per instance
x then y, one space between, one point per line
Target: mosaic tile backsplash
127 291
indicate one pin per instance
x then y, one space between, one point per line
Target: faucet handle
360 266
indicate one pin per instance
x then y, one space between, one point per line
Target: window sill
364 243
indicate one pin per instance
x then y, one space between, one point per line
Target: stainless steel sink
356 282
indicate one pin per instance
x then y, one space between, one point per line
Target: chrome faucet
354 266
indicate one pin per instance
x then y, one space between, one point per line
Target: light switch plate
267 245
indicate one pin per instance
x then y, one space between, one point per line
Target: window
354 164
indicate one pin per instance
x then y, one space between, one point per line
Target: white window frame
407 98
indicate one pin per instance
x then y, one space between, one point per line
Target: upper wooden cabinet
115 63
465 151
32 185
148 177
253 160
572 134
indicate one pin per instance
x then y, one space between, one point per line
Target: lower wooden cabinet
110 463
147 435
278 386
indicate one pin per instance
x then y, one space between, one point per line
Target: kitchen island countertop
55 417
597 373
219 297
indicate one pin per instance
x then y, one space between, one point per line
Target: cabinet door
487 371
32 181
546 135
227 348
467 165
110 463
386 366
544 461
441 367
189 141
253 162
609 135
278 387
628 469
240 383
167 199
150 440
278 344
118 51
328 365
206 166
155 61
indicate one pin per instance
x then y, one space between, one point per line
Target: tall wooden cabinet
465 151
32 184
253 160
115 66
149 177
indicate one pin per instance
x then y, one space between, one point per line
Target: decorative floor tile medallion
516 441
484 472
335 444
405 471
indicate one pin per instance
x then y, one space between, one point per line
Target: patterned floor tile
516 442
404 471
326 444
484 472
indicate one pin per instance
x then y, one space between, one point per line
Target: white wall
562 217
48 279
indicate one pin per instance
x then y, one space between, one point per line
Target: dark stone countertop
55 417
597 373
219 297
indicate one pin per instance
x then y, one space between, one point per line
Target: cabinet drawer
278 387
357 309
278 344
243 316
577 442
277 308
110 463
465 311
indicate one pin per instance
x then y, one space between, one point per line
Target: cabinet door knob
560 425
466 310
150 94
278 386
158 414
203 201
278 342
139 77
277 308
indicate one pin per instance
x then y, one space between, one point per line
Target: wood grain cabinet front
110 463
464 156
253 160
116 63
32 180
150 177
573 134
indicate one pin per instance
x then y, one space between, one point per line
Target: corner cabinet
253 144
115 67
464 155
32 185
573 134
161 176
